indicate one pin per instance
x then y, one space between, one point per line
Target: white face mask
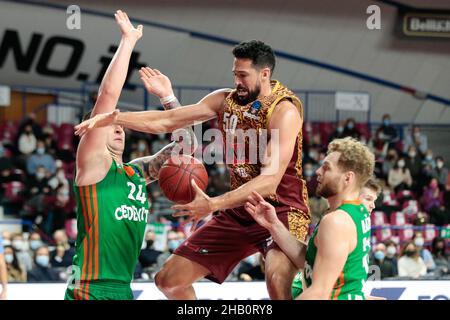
17 244
419 242
401 164
391 251
9 258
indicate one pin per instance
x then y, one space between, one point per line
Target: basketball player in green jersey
112 206
368 195
336 260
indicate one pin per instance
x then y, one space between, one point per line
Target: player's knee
276 280
164 282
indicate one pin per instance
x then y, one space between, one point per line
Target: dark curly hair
261 54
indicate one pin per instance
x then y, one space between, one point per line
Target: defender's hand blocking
156 83
127 29
263 212
100 120
197 209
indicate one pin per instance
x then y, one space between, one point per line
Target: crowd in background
37 164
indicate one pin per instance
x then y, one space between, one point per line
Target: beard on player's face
329 188
245 95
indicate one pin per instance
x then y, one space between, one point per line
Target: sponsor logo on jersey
253 111
131 213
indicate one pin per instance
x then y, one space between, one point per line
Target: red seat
398 218
8 131
378 218
406 233
383 234
326 129
66 129
13 191
430 232
363 129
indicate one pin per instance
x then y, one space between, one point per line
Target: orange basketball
175 178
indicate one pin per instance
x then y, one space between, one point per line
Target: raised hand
155 82
100 120
127 29
196 210
263 212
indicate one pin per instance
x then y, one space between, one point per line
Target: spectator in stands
160 143
63 255
425 254
379 259
30 120
38 184
58 180
173 241
42 272
48 137
16 271
27 141
6 236
410 263
149 256
338 133
417 139
429 159
389 162
391 255
387 132
399 176
161 206
35 241
440 172
21 247
440 256
250 269
350 129
141 149
413 162
3 272
57 209
432 201
40 159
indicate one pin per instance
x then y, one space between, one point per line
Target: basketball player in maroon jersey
256 103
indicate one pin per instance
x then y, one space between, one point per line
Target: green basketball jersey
297 285
111 220
351 280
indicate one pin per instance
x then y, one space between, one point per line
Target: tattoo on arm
150 165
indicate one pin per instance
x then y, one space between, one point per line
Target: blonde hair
355 157
373 185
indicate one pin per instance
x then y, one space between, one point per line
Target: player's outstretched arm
333 246
159 121
265 215
92 147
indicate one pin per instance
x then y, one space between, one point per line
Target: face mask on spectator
401 164
379 255
60 175
173 244
40 175
308 173
419 242
439 164
9 258
412 154
6 242
141 147
433 184
40 150
161 136
350 125
391 251
340 129
386 122
429 157
2 151
42 260
410 253
35 244
17 244
221 169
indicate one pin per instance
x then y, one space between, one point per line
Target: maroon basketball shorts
232 235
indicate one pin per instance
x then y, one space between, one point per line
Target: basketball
175 178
